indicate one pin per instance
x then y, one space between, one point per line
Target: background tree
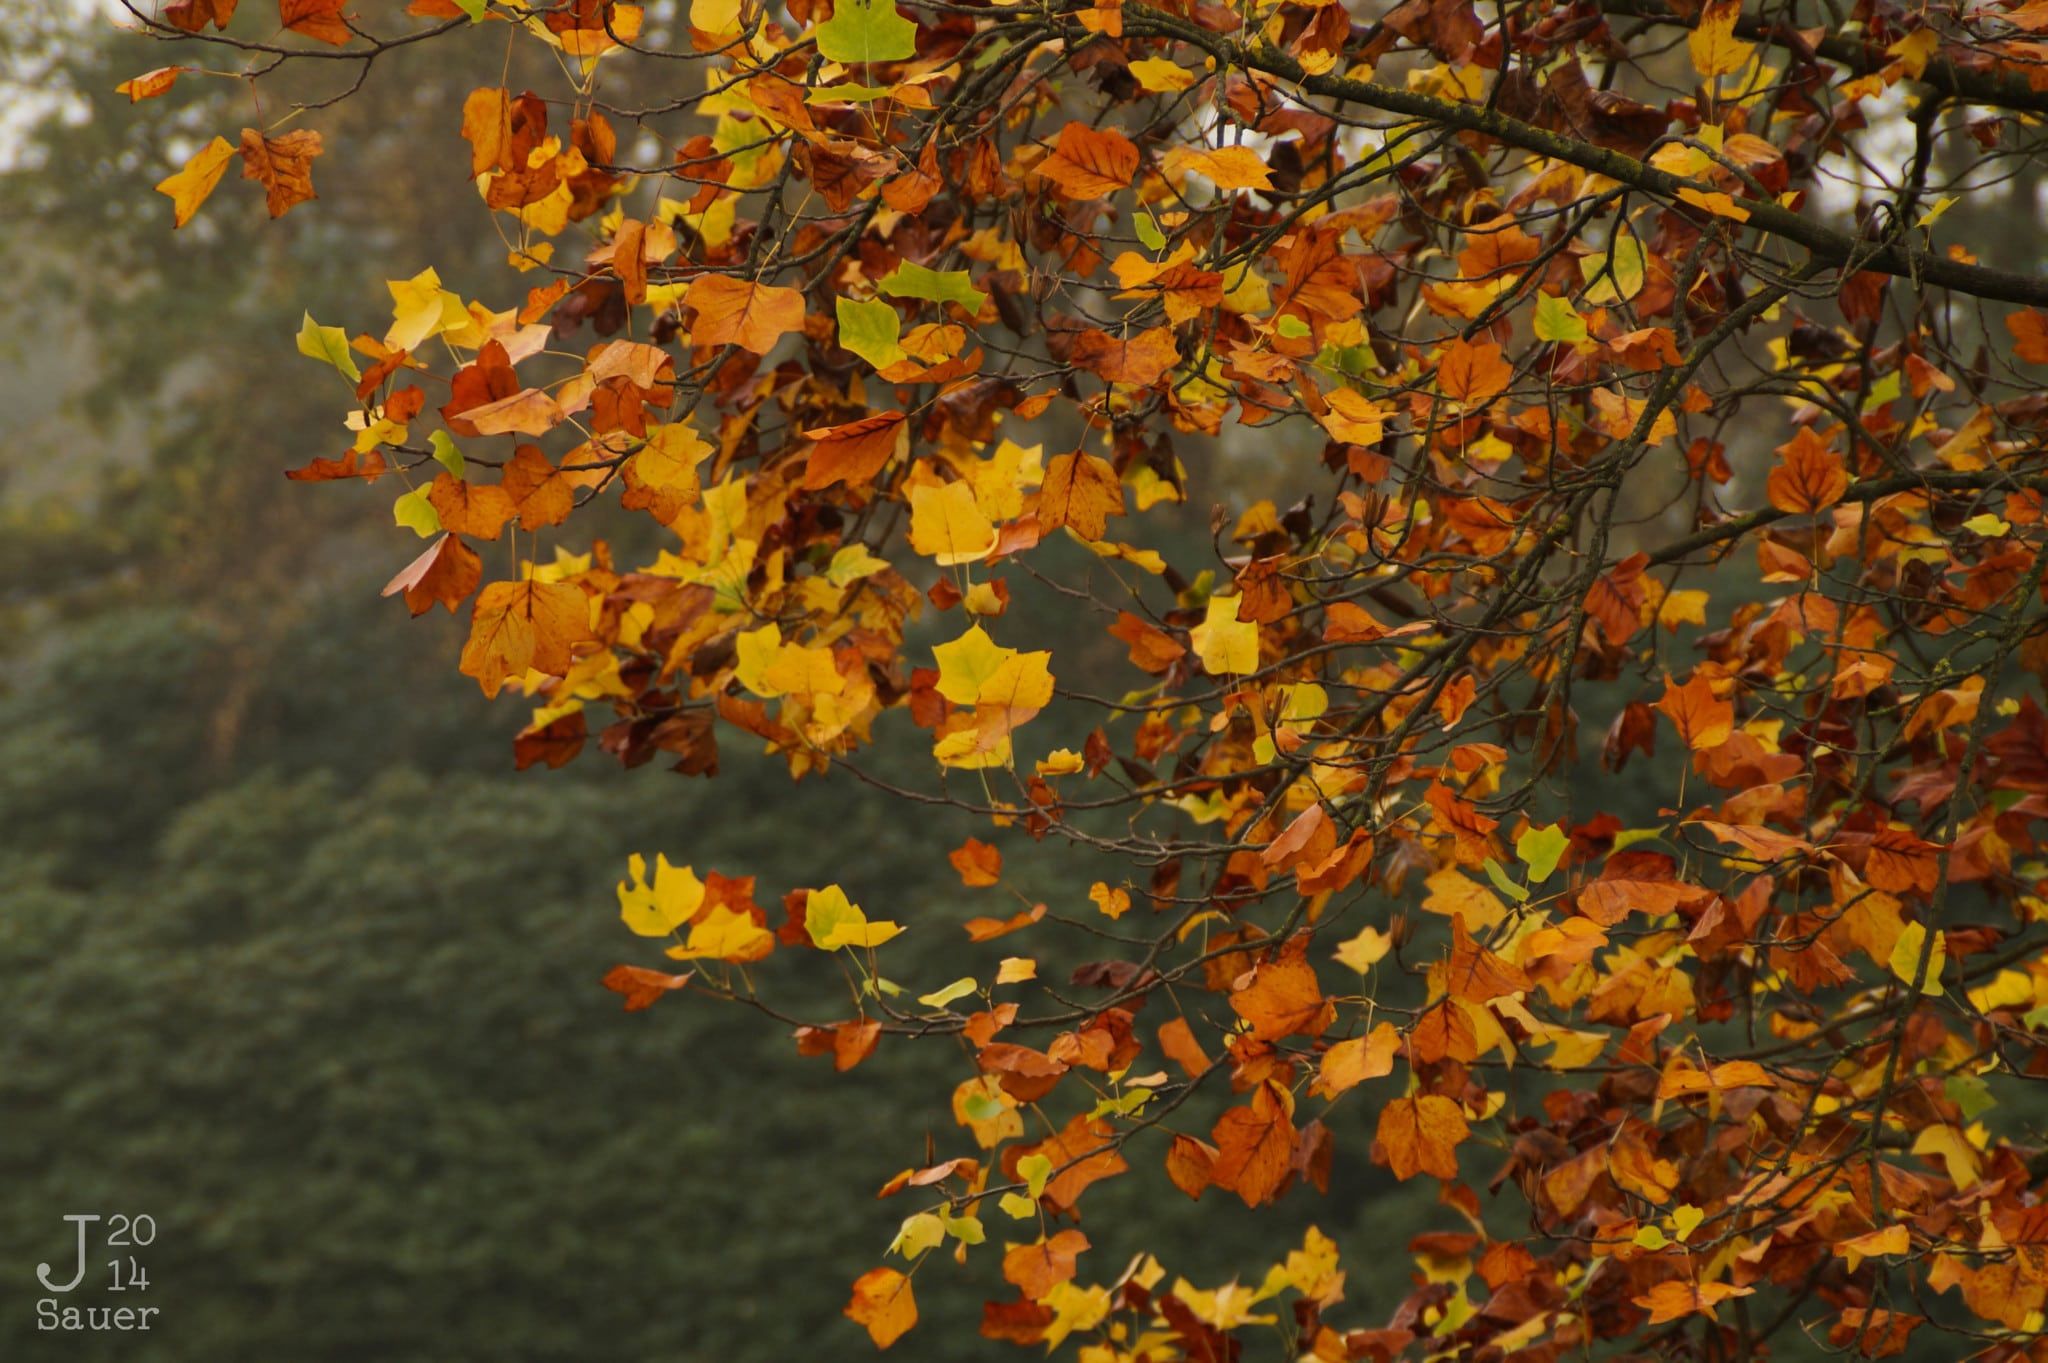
899 326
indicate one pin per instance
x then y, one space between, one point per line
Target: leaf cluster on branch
1601 363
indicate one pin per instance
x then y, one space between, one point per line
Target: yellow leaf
946 524
656 909
1160 76
1716 51
1905 958
1715 202
1365 950
422 308
1016 969
715 16
189 187
1225 167
725 934
1225 643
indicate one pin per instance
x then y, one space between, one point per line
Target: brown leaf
282 165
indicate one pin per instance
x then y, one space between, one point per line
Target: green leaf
1149 233
475 9
936 286
1293 328
870 330
445 452
1017 1206
982 1107
917 1234
867 31
852 563
329 345
1558 320
417 514
1505 883
1540 849
958 989
1970 1093
1036 1169
966 1229
1617 272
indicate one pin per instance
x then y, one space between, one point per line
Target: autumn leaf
282 165
855 452
883 1304
977 862
1140 360
1081 492
737 312
1420 1134
1255 1146
1808 477
520 626
317 19
1472 374
445 572
1090 163
189 187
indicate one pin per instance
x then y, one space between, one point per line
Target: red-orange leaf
1808 477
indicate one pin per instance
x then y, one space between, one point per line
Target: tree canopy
1299 461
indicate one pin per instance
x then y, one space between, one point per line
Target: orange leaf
1038 1269
1477 974
479 511
541 493
977 862
150 84
1254 1146
1152 650
1081 492
1089 163
1674 1300
1140 360
1282 996
1472 374
735 312
1703 720
445 573
883 1302
1419 1134
1177 1039
1356 1059
520 625
2029 330
317 19
1808 477
855 452
640 986
1082 1153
